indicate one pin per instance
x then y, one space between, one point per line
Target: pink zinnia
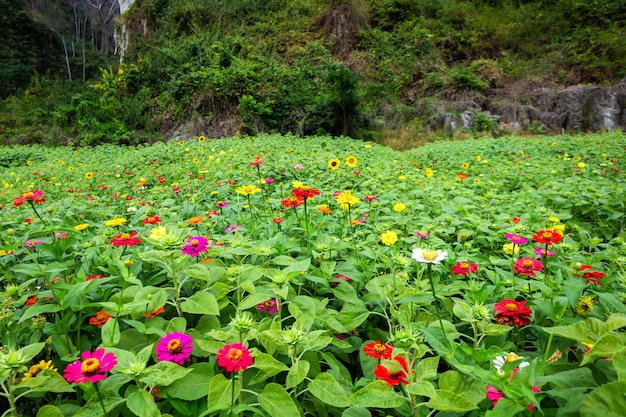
195 245
493 395
543 253
528 266
174 347
234 357
341 277
271 306
92 368
464 268
516 239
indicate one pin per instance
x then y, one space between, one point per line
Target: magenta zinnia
516 239
271 306
234 357
195 245
528 266
92 368
174 347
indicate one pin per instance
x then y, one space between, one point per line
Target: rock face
574 109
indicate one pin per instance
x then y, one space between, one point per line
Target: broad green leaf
277 402
201 303
607 346
328 390
423 389
163 373
614 322
297 373
49 411
36 310
254 299
377 394
141 403
356 412
193 386
609 400
268 366
220 390
110 399
450 401
426 369
46 381
198 271
493 329
587 331
111 333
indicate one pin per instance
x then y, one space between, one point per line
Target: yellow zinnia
389 237
158 233
429 172
398 207
346 200
247 190
82 226
115 222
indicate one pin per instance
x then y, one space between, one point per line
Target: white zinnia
500 361
429 256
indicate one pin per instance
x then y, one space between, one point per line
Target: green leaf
450 401
49 411
376 394
277 402
268 366
587 331
254 299
423 389
198 271
426 369
493 329
297 373
201 303
93 408
37 310
163 373
111 333
220 390
356 412
46 381
28 352
141 403
613 322
193 386
607 401
328 390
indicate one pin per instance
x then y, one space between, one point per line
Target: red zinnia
155 313
528 266
464 268
512 313
395 376
32 300
94 276
234 357
305 192
18 201
547 237
32 195
126 239
378 350
592 276
292 202
152 220
516 220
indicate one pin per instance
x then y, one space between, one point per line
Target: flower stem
546 354
432 287
104 410
232 393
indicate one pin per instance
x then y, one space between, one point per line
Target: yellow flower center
268 303
28 194
464 265
379 348
511 307
194 242
429 255
234 354
528 264
124 236
547 235
90 366
174 346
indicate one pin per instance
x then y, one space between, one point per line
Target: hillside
354 67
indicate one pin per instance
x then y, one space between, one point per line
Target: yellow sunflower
89 175
334 164
351 161
201 138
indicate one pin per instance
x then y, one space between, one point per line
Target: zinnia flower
429 172
152 220
92 368
158 233
398 207
541 252
153 314
547 237
389 237
292 202
99 319
305 192
232 228
528 266
512 313
126 239
346 200
195 246
174 347
270 306
247 190
395 376
493 395
516 239
464 268
31 301
234 357
115 222
592 276
351 161
323 208
334 164
500 361
378 350
195 220
429 256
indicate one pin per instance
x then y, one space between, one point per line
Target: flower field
278 276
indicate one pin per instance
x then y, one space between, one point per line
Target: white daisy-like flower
500 361
429 256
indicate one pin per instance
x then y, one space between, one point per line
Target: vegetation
334 67
276 276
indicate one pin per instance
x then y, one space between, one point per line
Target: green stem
176 287
10 395
546 354
432 287
104 410
232 393
37 213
